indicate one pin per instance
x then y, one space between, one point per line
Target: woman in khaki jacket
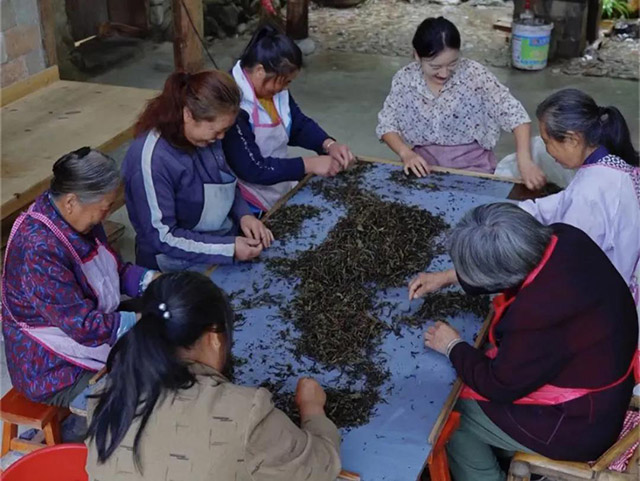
167 412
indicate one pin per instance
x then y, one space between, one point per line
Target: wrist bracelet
453 343
332 141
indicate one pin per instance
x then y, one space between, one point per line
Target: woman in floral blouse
446 110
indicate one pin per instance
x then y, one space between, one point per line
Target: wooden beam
47 21
298 19
23 88
457 386
187 49
617 450
446 170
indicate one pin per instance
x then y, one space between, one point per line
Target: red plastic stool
64 462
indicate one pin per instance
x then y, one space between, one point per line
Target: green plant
615 9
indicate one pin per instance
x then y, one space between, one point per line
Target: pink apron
547 395
101 271
467 157
273 141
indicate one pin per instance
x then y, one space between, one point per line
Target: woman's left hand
438 337
532 175
255 229
342 154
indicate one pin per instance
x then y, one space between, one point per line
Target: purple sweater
164 192
576 326
44 286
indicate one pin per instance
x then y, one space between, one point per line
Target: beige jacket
217 431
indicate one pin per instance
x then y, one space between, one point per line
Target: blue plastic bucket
530 46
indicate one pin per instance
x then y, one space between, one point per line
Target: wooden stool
16 410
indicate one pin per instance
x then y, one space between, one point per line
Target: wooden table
399 436
44 118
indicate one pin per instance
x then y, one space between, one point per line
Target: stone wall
21 50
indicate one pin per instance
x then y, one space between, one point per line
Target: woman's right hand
310 398
247 248
427 282
322 165
415 163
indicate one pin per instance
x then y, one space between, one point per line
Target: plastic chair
63 462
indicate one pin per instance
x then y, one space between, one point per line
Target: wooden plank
446 170
187 49
25 446
17 409
617 450
503 25
298 19
457 386
578 470
23 88
55 120
348 476
47 23
285 198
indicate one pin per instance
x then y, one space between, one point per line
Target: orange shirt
270 107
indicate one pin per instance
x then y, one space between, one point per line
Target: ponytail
141 366
206 94
571 110
145 364
615 135
274 50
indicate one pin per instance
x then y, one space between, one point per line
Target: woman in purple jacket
182 198
61 282
557 378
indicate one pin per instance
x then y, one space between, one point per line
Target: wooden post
48 31
187 49
298 19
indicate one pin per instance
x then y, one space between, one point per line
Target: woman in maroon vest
557 377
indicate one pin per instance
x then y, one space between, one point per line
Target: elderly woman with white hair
556 379
61 282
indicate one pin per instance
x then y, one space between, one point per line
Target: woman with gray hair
556 379
61 282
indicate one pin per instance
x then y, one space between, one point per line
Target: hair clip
163 308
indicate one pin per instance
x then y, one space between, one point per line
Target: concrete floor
345 91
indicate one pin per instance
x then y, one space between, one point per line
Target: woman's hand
255 229
415 163
439 336
247 248
532 175
310 397
322 165
340 153
427 282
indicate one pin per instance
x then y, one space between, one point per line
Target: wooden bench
44 118
16 410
